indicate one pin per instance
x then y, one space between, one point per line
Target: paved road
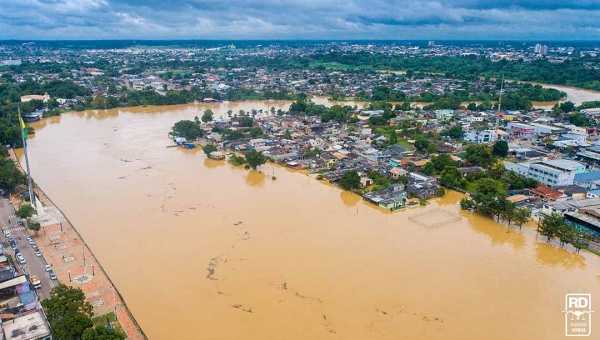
35 265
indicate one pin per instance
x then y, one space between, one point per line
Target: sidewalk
75 265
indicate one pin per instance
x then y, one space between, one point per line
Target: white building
578 130
43 98
551 173
521 169
485 136
555 172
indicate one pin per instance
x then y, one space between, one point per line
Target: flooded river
203 250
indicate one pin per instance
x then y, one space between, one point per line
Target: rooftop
26 327
563 164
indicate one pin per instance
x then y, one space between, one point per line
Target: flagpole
31 195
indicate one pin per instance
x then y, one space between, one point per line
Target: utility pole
23 138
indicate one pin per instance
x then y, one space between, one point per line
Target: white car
22 260
7 233
38 253
48 268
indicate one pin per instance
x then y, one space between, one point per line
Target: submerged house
393 197
217 155
422 186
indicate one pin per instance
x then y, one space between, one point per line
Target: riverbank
75 264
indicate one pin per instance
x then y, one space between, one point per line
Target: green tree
578 119
442 161
10 176
454 132
567 107
256 132
428 169
500 148
467 204
207 116
287 135
99 102
550 224
255 159
488 187
547 140
566 234
34 226
480 154
522 215
25 211
453 177
508 211
421 143
350 180
68 312
208 148
393 138
432 148
246 121
3 151
440 192
186 128
237 160
102 333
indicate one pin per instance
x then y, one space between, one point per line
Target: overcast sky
300 19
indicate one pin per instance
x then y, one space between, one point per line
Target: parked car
48 268
34 245
22 260
14 247
20 221
11 239
32 242
52 276
7 233
38 253
29 238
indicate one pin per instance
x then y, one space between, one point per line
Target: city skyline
299 20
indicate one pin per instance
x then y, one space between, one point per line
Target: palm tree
229 113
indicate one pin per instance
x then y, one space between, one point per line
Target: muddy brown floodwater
203 250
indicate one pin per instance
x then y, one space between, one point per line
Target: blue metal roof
586 177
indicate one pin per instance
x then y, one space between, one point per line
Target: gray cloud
299 19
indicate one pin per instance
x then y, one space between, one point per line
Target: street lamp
69 275
93 273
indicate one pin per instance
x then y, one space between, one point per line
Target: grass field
403 142
471 186
101 321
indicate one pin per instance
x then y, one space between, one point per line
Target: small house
217 155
